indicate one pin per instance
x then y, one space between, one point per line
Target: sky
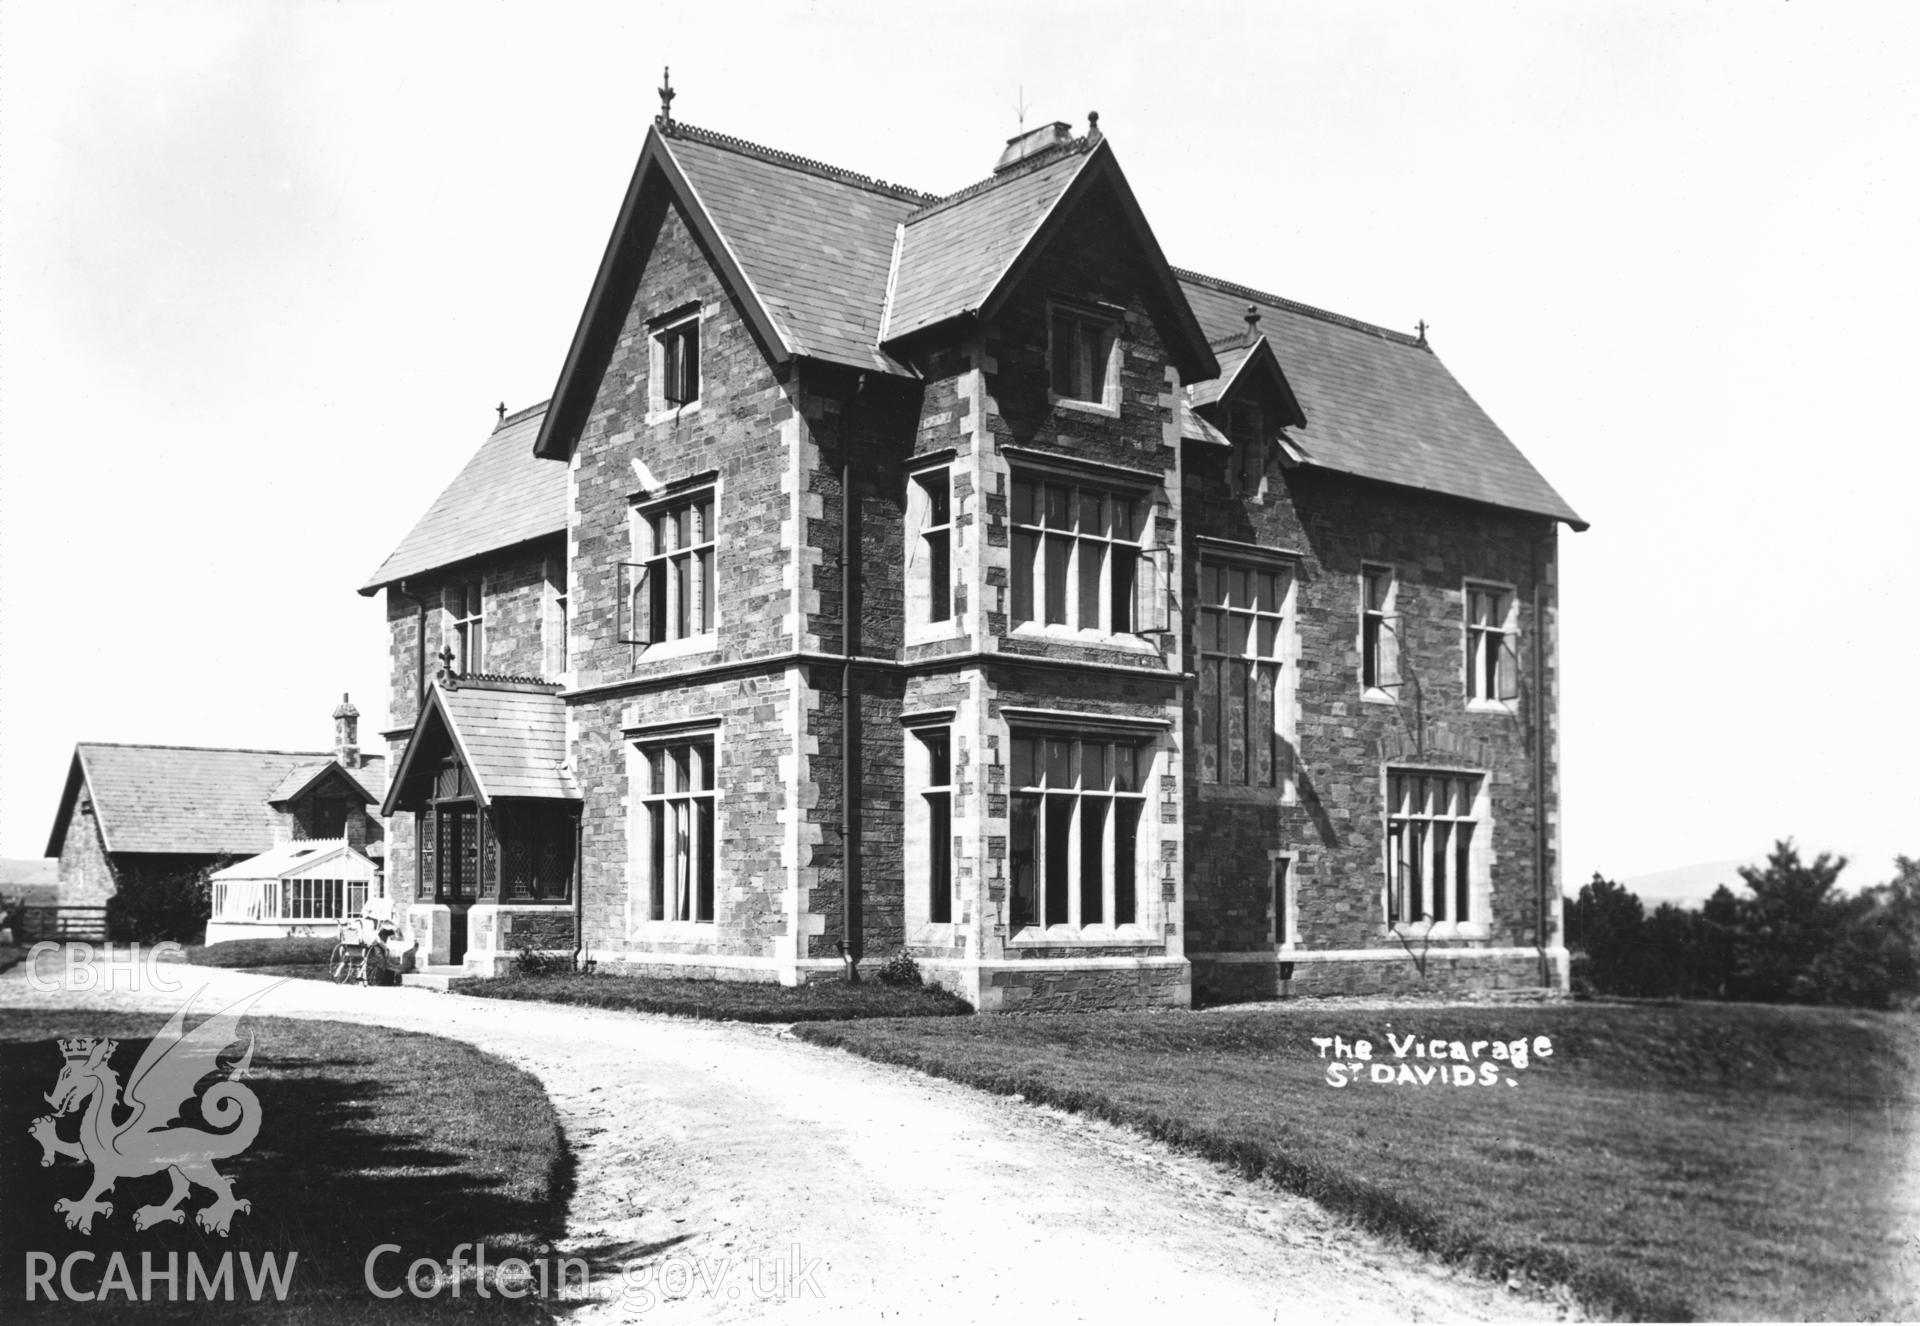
266 270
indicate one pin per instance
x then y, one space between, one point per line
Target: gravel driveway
745 1169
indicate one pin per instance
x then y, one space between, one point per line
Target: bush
529 961
1792 937
900 969
151 907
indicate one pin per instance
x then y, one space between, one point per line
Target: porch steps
434 978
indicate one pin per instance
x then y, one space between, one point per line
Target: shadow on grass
367 1137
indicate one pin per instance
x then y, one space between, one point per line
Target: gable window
676 364
1432 869
1246 637
1083 356
1379 627
676 797
668 593
1076 555
467 625
937 798
930 566
1075 809
1493 635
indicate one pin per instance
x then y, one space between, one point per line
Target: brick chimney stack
346 733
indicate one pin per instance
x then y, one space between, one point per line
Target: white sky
265 270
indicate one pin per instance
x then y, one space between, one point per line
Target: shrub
153 906
530 961
900 969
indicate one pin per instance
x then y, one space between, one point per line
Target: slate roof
513 742
1380 404
814 242
505 495
371 777
954 253
186 799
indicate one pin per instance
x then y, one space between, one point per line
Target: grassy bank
1719 1161
737 1001
367 1136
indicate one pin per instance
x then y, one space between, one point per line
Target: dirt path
745 1168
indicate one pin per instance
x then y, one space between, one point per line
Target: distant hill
1688 886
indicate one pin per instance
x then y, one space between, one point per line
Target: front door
458 868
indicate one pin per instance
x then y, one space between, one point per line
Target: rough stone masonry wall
1435 545
745 433
739 432
514 584
750 894
1241 982
86 875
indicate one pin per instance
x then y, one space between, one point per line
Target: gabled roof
303 776
505 495
964 255
1243 364
1380 404
512 742
184 799
954 253
805 247
814 243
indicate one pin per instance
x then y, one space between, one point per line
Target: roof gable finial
1253 323
1093 126
1421 328
665 118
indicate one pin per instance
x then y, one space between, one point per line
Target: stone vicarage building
952 574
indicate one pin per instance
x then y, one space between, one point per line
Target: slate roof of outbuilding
370 777
1380 404
186 799
503 496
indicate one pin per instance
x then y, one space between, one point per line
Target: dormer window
676 362
1083 354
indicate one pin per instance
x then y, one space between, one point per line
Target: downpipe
850 918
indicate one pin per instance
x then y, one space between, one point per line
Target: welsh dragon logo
142 1142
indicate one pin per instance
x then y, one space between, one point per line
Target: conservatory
300 888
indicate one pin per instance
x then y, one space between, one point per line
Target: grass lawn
367 1136
303 958
1667 1161
739 1001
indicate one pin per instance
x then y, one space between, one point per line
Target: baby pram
372 946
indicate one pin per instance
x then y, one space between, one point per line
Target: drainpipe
1540 753
579 901
850 918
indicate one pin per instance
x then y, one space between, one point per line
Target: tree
1605 924
1794 917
